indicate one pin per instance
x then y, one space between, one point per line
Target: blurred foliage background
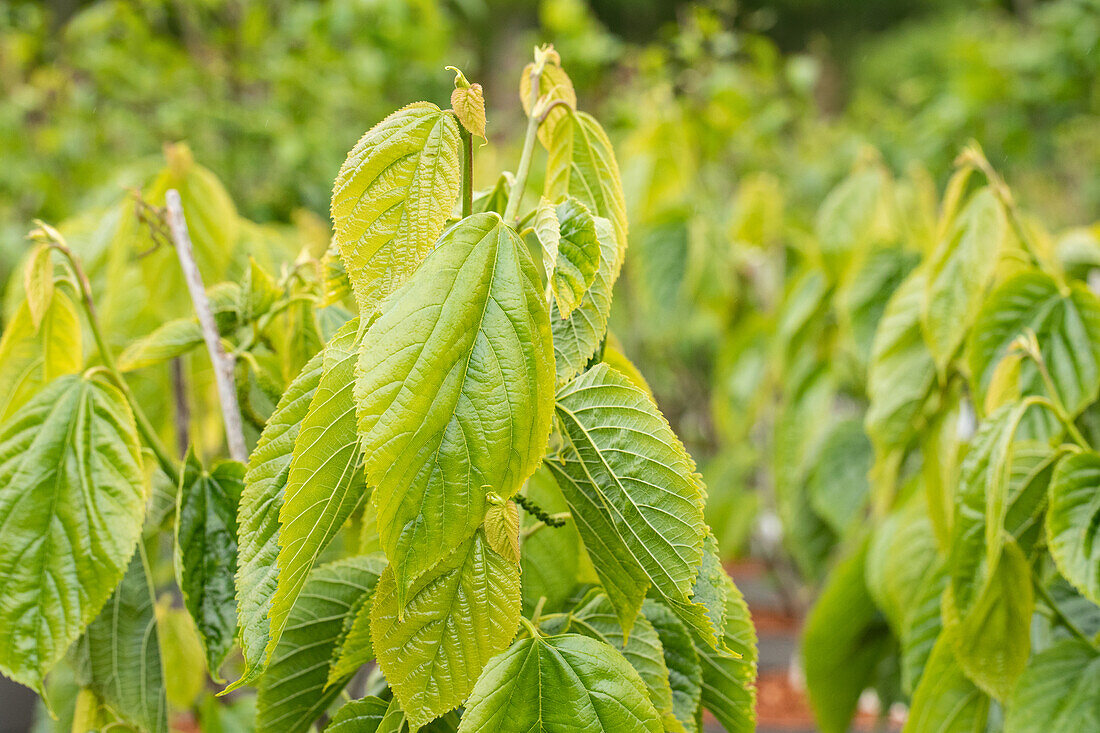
733 123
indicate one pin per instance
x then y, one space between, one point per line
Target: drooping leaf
862 298
392 198
596 618
354 647
960 270
502 528
837 484
901 372
206 552
72 498
181 652
992 639
119 655
577 338
293 692
994 473
169 340
945 700
1073 522
468 103
454 390
850 217
632 489
358 716
581 163
729 672
548 233
905 575
685 673
457 618
258 517
559 684
578 255
842 642
324 484
1059 692
1066 327
31 358
38 282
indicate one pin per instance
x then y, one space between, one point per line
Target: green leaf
577 338
258 517
960 270
501 528
206 552
901 372
292 691
38 283
119 655
324 484
354 648
850 216
578 255
454 390
705 612
548 233
862 298
182 654
993 476
359 716
685 674
1059 692
581 163
906 577
31 358
392 198
551 557
596 618
837 484
169 340
72 498
632 489
842 643
1073 522
992 639
1066 326
554 85
559 684
457 618
495 198
729 672
945 700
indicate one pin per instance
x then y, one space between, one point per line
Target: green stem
148 433
528 147
467 171
531 628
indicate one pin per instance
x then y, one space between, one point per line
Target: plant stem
467 171
145 428
1056 401
223 363
516 194
531 628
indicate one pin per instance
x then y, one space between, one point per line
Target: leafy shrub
445 363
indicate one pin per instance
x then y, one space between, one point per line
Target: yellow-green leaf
31 358
454 392
392 197
38 282
456 619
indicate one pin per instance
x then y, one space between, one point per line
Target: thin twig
183 409
223 363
